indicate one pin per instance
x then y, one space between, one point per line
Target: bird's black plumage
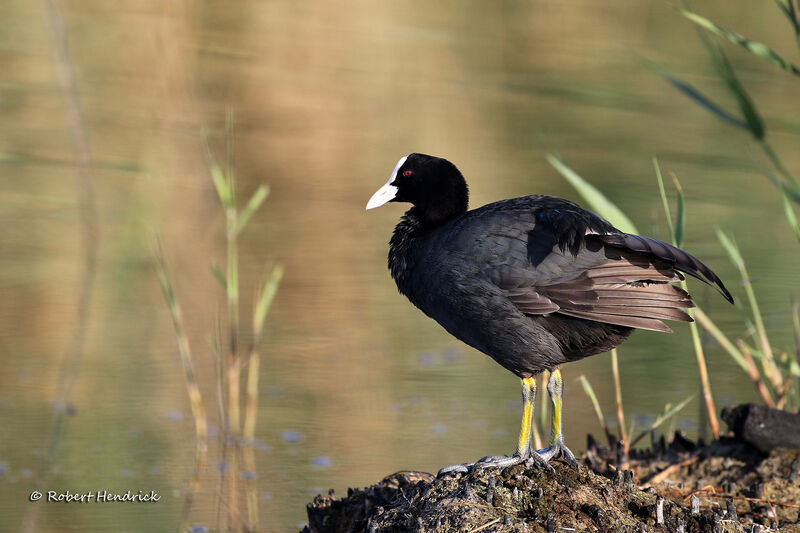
533 282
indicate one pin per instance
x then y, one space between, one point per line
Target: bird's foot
558 450
530 459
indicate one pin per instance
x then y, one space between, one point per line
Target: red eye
407 173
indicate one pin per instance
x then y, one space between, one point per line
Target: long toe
556 451
491 461
458 469
499 461
536 460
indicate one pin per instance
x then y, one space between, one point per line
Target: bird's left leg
557 448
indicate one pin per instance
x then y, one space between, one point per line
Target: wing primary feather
621 320
681 260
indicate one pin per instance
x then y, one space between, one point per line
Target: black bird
533 282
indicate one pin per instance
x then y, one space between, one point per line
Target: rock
762 427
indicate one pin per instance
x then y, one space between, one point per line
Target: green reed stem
618 400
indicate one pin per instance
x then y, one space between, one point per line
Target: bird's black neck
415 224
403 241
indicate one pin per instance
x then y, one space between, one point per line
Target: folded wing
595 272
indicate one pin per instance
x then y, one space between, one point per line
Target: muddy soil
727 486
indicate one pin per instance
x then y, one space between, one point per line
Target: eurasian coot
533 282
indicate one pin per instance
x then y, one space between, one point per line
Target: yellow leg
528 400
524 453
555 386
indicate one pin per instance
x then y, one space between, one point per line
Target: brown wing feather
531 302
629 321
626 291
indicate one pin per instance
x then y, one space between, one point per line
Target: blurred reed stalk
748 119
89 237
236 439
235 436
264 298
193 389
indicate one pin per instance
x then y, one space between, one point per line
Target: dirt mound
727 486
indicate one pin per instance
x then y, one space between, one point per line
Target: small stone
679 526
659 510
694 503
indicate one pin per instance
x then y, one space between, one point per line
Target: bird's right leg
557 448
524 453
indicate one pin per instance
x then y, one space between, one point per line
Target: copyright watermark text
95 496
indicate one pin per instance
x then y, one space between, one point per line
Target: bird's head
433 185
